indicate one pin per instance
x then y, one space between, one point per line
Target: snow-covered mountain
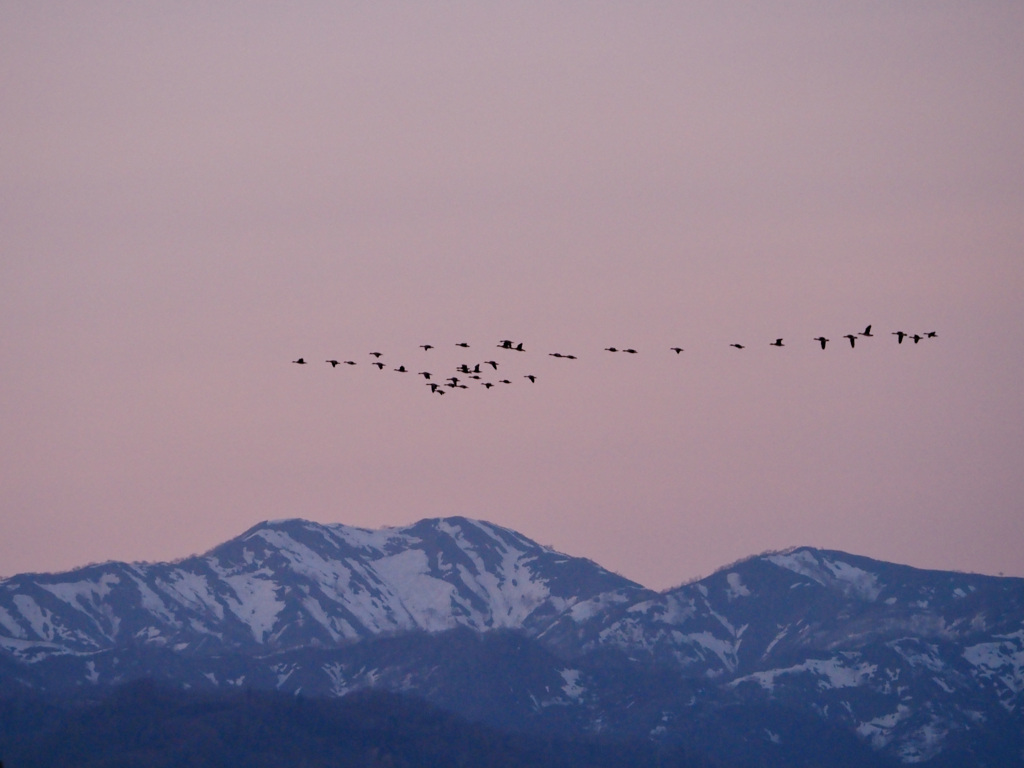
293 583
774 659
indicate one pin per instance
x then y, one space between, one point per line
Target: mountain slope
294 583
774 660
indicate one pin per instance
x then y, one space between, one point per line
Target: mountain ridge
912 664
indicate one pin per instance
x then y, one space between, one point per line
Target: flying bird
425 347
350 362
852 338
531 377
611 349
334 363
380 366
424 374
300 361
491 363
462 344
630 351
822 339
931 335
377 354
899 336
867 332
776 343
738 346
916 338
401 369
677 350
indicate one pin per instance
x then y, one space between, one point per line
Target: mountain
798 657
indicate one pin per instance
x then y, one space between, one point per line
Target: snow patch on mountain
833 673
850 579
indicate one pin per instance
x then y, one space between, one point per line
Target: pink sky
190 198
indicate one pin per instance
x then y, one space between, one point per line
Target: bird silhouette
738 346
377 354
380 366
491 363
916 338
776 343
425 347
630 351
504 381
519 347
462 344
334 363
611 349
424 374
677 350
867 332
531 377
822 339
350 362
300 361
487 384
401 369
930 334
852 338
899 336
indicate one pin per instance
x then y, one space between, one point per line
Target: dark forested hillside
150 726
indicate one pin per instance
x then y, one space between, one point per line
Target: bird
867 332
822 339
899 336
425 347
462 344
677 350
611 349
487 384
630 351
519 347
738 346
300 361
505 344
401 369
776 343
852 338
916 338
491 363
377 354
334 363
350 362
531 377
930 334
504 381
555 354
424 374
432 385
380 366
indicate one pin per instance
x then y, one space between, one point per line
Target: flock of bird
475 372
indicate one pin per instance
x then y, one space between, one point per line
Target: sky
193 195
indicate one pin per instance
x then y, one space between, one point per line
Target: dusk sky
192 195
